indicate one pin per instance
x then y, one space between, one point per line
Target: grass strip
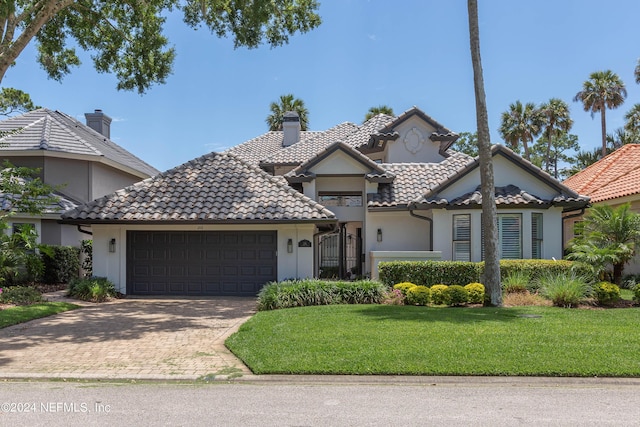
409 340
24 313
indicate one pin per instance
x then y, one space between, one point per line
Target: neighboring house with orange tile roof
612 180
334 203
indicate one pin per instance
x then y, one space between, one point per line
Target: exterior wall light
290 246
379 235
112 245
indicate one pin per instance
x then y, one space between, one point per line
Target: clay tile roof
413 180
215 187
53 131
310 146
616 175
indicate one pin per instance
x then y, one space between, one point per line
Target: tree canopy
126 37
287 103
380 109
15 101
520 125
603 89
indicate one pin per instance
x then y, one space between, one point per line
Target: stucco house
79 158
295 203
613 180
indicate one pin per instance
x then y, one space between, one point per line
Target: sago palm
603 90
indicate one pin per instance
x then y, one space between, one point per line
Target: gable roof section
412 180
210 189
442 134
504 195
308 147
616 175
44 130
303 173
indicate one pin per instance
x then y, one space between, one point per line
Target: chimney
290 128
99 122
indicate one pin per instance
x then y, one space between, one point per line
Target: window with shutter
536 235
462 237
509 236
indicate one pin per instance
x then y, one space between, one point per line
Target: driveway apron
146 338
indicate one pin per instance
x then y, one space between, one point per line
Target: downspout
411 207
84 231
569 217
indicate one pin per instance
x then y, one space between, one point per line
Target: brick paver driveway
128 339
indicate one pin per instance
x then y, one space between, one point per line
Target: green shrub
457 295
636 293
516 281
476 293
606 293
564 290
418 295
86 250
94 289
61 263
439 295
404 287
20 295
429 273
298 293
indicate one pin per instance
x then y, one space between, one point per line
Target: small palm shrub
476 293
404 287
94 289
419 295
20 295
457 295
606 293
517 281
564 290
439 296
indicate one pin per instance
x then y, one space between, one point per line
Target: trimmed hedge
62 265
299 293
429 273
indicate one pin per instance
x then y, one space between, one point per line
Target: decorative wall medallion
414 140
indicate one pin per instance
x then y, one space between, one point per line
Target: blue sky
366 53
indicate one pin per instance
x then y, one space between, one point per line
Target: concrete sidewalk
132 338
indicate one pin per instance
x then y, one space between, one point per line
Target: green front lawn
24 313
408 340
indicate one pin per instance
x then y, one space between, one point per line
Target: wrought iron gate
339 254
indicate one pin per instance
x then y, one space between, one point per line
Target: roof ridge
73 134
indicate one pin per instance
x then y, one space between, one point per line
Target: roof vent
290 128
99 122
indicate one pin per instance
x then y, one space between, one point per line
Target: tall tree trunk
603 122
491 276
547 158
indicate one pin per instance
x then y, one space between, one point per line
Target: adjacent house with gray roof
78 159
328 203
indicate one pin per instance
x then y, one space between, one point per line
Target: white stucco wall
400 232
298 264
414 144
339 163
551 237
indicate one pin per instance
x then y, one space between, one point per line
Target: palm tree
287 103
603 90
520 124
380 109
618 138
556 121
614 232
632 125
491 276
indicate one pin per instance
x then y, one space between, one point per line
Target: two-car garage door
200 262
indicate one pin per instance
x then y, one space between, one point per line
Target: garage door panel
200 262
